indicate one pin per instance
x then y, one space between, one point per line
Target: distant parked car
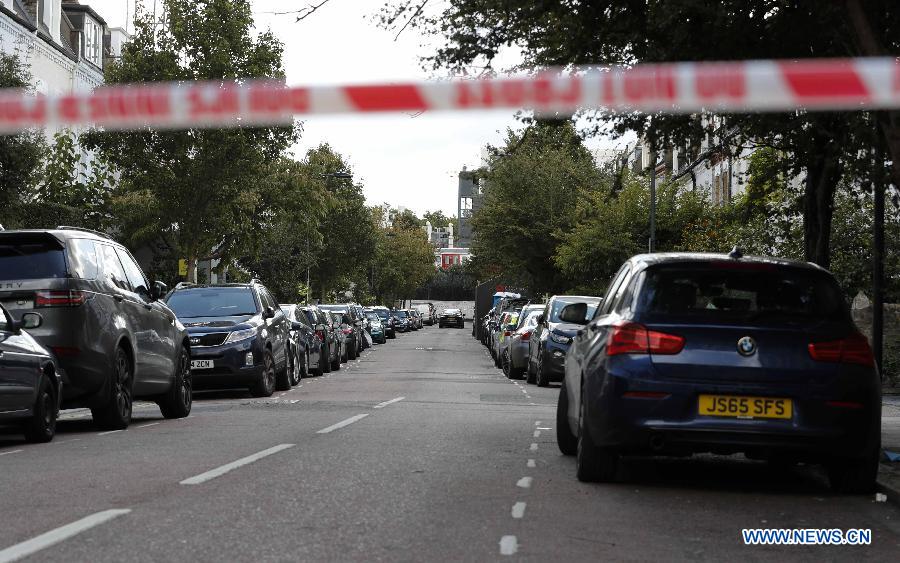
354 322
376 329
694 353
550 341
30 386
112 336
515 356
401 320
306 346
387 320
426 311
451 317
342 331
239 336
325 339
414 318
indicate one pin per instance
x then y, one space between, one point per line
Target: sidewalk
889 473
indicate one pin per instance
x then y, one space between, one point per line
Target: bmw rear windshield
31 257
213 302
741 291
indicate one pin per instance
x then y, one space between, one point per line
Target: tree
624 32
198 190
20 155
533 187
404 262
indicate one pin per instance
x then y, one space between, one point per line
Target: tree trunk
823 172
192 269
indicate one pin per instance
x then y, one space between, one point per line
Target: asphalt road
462 465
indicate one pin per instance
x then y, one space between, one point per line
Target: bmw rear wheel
593 464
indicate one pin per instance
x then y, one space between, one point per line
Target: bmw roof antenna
736 253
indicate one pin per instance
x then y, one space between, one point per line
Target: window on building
465 207
93 42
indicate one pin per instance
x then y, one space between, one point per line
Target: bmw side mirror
159 290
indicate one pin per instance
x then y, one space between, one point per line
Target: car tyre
568 442
116 413
305 373
325 365
593 464
543 378
854 475
529 372
336 362
295 372
505 365
265 385
283 379
41 426
177 402
352 352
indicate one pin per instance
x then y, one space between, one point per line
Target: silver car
515 356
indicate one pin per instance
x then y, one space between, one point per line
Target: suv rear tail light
69 298
321 335
851 350
633 338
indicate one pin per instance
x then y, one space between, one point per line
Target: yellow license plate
745 407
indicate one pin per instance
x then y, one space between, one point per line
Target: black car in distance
239 336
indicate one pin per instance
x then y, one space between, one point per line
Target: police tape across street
741 86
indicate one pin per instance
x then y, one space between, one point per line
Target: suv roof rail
84 230
182 285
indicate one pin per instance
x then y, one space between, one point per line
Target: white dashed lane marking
386 403
537 433
12 452
222 470
147 425
509 545
109 432
53 537
342 424
533 447
518 510
524 482
530 463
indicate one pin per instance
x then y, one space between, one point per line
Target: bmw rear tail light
507 333
633 338
346 330
69 298
526 335
854 349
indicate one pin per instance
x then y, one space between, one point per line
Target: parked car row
81 326
703 353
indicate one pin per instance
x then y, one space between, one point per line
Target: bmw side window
623 294
134 274
83 258
113 272
613 290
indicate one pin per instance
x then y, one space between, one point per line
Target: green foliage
20 155
403 262
534 186
199 191
452 284
439 220
406 220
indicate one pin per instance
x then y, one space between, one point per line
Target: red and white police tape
743 86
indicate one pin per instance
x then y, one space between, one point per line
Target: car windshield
747 291
213 302
559 305
31 260
400 314
373 317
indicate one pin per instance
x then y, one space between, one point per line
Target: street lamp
341 176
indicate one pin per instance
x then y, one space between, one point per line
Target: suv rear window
213 302
742 291
30 258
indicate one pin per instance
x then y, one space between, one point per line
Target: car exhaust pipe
657 442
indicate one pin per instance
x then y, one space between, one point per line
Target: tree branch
411 18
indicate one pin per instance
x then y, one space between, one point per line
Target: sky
403 160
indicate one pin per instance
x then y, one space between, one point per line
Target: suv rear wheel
336 362
41 427
116 413
265 384
855 475
178 401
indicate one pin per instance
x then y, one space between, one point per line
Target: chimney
450 238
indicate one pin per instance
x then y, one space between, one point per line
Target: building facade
469 200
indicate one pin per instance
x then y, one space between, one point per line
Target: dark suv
114 339
239 336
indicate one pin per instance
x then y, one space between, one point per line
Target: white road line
109 432
342 424
386 403
530 463
53 537
509 545
295 401
68 441
537 423
147 425
518 510
219 471
544 428
12 452
524 482
537 433
533 447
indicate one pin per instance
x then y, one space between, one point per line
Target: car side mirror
541 318
269 313
296 325
159 290
29 321
575 313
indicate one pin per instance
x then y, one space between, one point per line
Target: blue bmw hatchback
694 353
